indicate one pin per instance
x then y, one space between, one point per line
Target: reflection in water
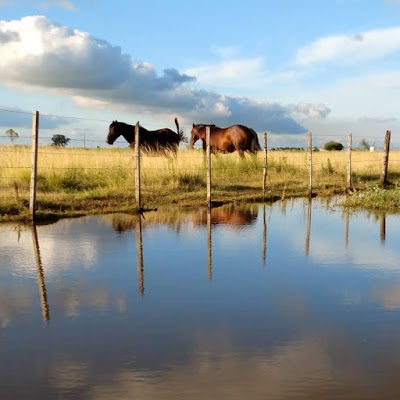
346 228
309 210
264 236
321 323
228 215
40 275
209 244
139 251
382 224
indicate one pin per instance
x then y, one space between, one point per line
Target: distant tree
11 134
333 146
364 145
60 140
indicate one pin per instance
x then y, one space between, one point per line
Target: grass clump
375 197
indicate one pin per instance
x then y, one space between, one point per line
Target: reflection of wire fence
81 169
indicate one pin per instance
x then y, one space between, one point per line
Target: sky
286 67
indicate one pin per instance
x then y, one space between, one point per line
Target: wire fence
87 165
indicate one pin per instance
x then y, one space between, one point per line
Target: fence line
212 168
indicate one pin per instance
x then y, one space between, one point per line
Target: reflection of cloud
59 245
388 296
301 369
327 238
68 375
13 306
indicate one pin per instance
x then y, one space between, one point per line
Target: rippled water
290 301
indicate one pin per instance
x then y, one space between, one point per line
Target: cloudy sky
286 67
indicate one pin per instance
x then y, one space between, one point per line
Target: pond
295 300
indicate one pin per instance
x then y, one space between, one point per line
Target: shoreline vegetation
76 181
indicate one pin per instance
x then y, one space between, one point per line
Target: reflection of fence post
137 168
40 275
139 253
309 206
385 160
264 252
33 184
309 162
209 244
208 166
349 145
265 169
346 229
382 220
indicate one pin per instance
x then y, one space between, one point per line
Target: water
290 301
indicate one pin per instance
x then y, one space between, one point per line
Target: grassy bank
74 181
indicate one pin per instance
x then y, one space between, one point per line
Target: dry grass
68 175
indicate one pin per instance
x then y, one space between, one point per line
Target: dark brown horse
238 138
160 140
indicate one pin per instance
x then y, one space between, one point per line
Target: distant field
68 173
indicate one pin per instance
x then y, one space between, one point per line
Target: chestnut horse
159 140
238 138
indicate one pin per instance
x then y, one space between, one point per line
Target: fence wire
87 164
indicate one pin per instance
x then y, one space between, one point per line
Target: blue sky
286 66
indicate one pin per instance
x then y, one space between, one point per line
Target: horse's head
198 132
194 136
113 132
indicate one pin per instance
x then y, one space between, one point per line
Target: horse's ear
193 125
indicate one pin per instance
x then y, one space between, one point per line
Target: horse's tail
179 131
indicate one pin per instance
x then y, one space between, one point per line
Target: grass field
82 181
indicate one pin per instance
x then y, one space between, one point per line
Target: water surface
290 301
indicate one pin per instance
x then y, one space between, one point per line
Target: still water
296 300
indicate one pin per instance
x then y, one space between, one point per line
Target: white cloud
40 54
225 52
349 49
229 72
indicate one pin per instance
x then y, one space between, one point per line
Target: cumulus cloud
349 49
309 110
36 53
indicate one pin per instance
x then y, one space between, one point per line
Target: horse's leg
241 153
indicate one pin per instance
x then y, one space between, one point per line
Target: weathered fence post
33 183
208 166
385 160
137 168
265 169
349 145
309 162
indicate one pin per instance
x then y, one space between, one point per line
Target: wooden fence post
137 168
309 162
208 166
385 160
349 145
33 182
265 169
